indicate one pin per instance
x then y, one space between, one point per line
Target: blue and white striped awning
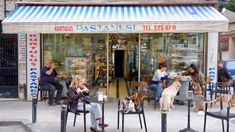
46 18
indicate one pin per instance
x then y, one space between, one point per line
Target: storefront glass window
177 50
77 54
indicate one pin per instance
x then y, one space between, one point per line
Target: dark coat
74 97
223 75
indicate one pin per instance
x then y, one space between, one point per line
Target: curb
26 124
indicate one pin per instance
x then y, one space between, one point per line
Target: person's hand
85 89
59 76
53 65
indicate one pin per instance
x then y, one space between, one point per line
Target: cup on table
100 96
105 98
190 94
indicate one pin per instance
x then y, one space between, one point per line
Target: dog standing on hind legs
168 95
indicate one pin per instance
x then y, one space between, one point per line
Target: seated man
48 75
223 74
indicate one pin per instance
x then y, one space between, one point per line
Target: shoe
200 113
157 99
52 104
57 102
94 129
103 125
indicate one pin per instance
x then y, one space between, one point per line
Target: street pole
34 109
5 8
63 118
164 121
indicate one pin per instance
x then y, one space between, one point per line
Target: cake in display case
76 66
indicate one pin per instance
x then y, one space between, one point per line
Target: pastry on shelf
161 58
79 71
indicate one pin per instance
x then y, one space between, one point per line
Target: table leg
102 116
188 129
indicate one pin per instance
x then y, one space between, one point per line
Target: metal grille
8 66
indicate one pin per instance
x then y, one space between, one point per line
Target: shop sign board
130 28
104 28
115 27
22 48
33 63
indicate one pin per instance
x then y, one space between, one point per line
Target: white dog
168 95
128 105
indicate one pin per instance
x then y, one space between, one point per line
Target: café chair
43 89
221 113
76 112
222 88
208 87
137 112
150 95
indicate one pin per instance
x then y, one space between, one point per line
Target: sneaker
103 125
156 99
200 113
94 129
57 102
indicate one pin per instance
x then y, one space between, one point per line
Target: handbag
85 97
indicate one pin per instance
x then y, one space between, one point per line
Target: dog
128 105
138 86
133 103
168 95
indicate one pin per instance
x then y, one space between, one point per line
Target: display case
181 57
76 66
182 50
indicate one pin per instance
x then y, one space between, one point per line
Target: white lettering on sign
106 28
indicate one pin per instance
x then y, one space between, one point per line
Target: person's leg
89 108
158 91
59 89
155 87
96 110
51 94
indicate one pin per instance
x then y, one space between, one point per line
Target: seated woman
197 79
76 91
158 80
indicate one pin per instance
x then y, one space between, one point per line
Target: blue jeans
158 90
95 111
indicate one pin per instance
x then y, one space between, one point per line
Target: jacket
74 97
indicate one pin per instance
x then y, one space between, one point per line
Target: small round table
194 98
109 100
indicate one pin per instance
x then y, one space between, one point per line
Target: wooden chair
220 114
151 96
76 112
138 112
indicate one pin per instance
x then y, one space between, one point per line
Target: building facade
227 39
101 41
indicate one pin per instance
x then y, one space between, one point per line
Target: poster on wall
224 44
33 63
22 48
